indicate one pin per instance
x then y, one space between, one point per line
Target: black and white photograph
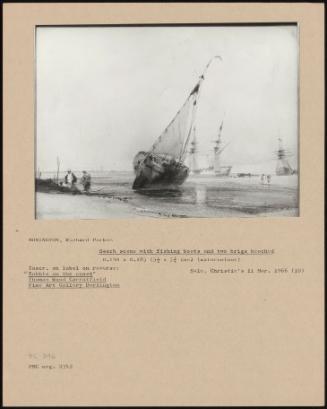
166 121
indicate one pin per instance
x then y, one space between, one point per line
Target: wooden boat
51 186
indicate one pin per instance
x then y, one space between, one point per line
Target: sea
200 196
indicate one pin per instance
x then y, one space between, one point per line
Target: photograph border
239 24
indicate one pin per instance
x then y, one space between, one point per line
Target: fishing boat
164 163
52 186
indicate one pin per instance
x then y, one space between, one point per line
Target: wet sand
200 196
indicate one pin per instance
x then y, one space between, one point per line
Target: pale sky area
105 93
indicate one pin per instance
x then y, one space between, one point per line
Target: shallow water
200 196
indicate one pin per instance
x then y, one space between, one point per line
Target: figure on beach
86 181
265 179
70 179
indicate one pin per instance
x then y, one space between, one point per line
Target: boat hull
158 170
50 186
284 172
223 171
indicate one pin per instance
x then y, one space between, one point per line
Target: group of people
265 179
71 180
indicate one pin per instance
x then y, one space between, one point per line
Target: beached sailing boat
164 163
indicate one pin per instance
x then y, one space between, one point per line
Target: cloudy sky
104 93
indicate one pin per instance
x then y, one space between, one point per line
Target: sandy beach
200 196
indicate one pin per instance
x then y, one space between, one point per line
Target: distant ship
215 167
218 149
194 165
164 162
283 168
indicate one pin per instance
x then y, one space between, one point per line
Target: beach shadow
162 193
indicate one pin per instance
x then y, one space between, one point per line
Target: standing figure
268 179
262 179
86 181
70 179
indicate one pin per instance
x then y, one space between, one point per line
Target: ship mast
283 167
218 141
281 151
194 151
217 148
196 90
175 137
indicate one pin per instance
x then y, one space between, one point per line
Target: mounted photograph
166 121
